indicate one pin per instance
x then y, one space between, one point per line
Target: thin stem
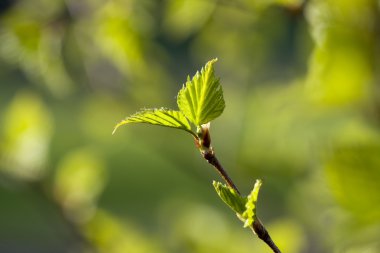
257 227
211 159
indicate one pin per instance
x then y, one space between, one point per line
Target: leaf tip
116 127
258 183
212 61
216 184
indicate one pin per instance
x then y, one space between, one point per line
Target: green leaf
161 117
230 197
250 212
201 99
245 207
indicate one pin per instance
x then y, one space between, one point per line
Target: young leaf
201 99
230 197
161 117
250 212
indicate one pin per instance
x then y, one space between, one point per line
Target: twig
259 229
204 145
211 159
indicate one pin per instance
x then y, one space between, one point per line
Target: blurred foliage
79 180
301 85
112 235
27 128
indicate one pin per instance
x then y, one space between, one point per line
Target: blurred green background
301 84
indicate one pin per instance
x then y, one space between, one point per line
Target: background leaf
161 117
78 183
201 99
27 125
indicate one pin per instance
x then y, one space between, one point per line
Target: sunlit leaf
201 99
230 197
161 117
250 212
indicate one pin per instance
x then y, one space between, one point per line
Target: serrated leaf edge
134 118
250 213
189 105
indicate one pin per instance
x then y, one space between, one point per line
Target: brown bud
205 135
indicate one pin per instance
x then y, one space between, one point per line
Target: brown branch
211 159
259 229
203 143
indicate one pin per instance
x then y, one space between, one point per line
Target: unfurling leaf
230 197
244 207
250 212
161 117
201 99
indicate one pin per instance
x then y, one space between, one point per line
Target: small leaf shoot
250 213
229 196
